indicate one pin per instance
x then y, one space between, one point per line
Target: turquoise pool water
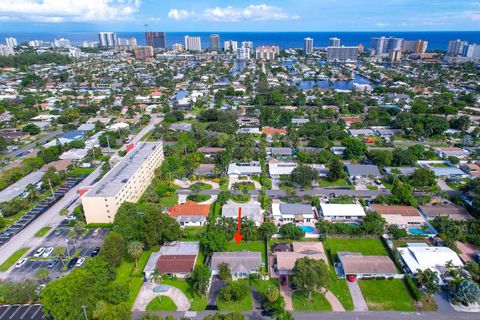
307 228
417 231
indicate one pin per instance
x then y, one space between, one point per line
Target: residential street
33 144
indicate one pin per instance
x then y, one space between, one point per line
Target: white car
20 263
80 262
47 252
39 252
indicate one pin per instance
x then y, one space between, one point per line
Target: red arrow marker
238 236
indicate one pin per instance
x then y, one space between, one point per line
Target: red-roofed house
190 213
269 131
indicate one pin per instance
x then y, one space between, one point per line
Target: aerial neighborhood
238 181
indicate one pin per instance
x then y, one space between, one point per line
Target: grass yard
43 231
13 259
387 295
198 303
364 246
192 233
80 171
339 288
336 183
253 246
318 302
203 186
262 285
215 211
162 303
198 198
169 201
246 304
126 273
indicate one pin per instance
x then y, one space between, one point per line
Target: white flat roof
428 257
343 210
114 180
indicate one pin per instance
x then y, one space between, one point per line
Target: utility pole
50 184
108 143
68 250
84 308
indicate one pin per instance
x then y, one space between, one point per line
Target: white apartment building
11 42
126 181
342 54
230 45
308 45
107 39
193 43
267 52
6 50
247 44
243 53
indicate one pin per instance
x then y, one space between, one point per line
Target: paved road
32 145
153 121
379 315
49 218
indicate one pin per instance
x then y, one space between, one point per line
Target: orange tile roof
190 208
270 131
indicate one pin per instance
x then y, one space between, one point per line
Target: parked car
95 252
20 263
80 262
351 278
47 252
72 262
96 232
40 288
53 263
71 217
267 313
283 280
39 252
58 232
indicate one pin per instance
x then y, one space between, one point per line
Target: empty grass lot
387 295
318 302
197 302
335 183
367 247
161 303
13 259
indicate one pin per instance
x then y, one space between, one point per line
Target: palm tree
135 250
59 252
42 274
32 193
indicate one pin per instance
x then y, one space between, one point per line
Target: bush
234 291
412 287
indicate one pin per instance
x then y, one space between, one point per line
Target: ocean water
437 40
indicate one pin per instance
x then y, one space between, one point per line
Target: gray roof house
275 151
250 211
293 212
362 170
182 126
241 263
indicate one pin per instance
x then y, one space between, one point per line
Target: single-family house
425 257
250 211
181 127
241 263
278 151
210 151
190 213
362 170
294 212
359 266
472 169
252 168
402 216
451 211
174 259
341 212
445 152
284 259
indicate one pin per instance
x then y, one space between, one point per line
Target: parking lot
85 244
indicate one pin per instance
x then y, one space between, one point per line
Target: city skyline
225 16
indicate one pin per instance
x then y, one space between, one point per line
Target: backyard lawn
161 303
192 233
203 186
318 302
13 259
364 246
168 201
197 302
387 295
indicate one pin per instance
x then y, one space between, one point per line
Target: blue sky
239 15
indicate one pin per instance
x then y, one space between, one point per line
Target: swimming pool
418 231
307 228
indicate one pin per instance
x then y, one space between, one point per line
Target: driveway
357 296
443 303
334 302
286 293
147 294
215 287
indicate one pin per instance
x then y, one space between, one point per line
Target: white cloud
69 10
382 24
260 12
177 14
